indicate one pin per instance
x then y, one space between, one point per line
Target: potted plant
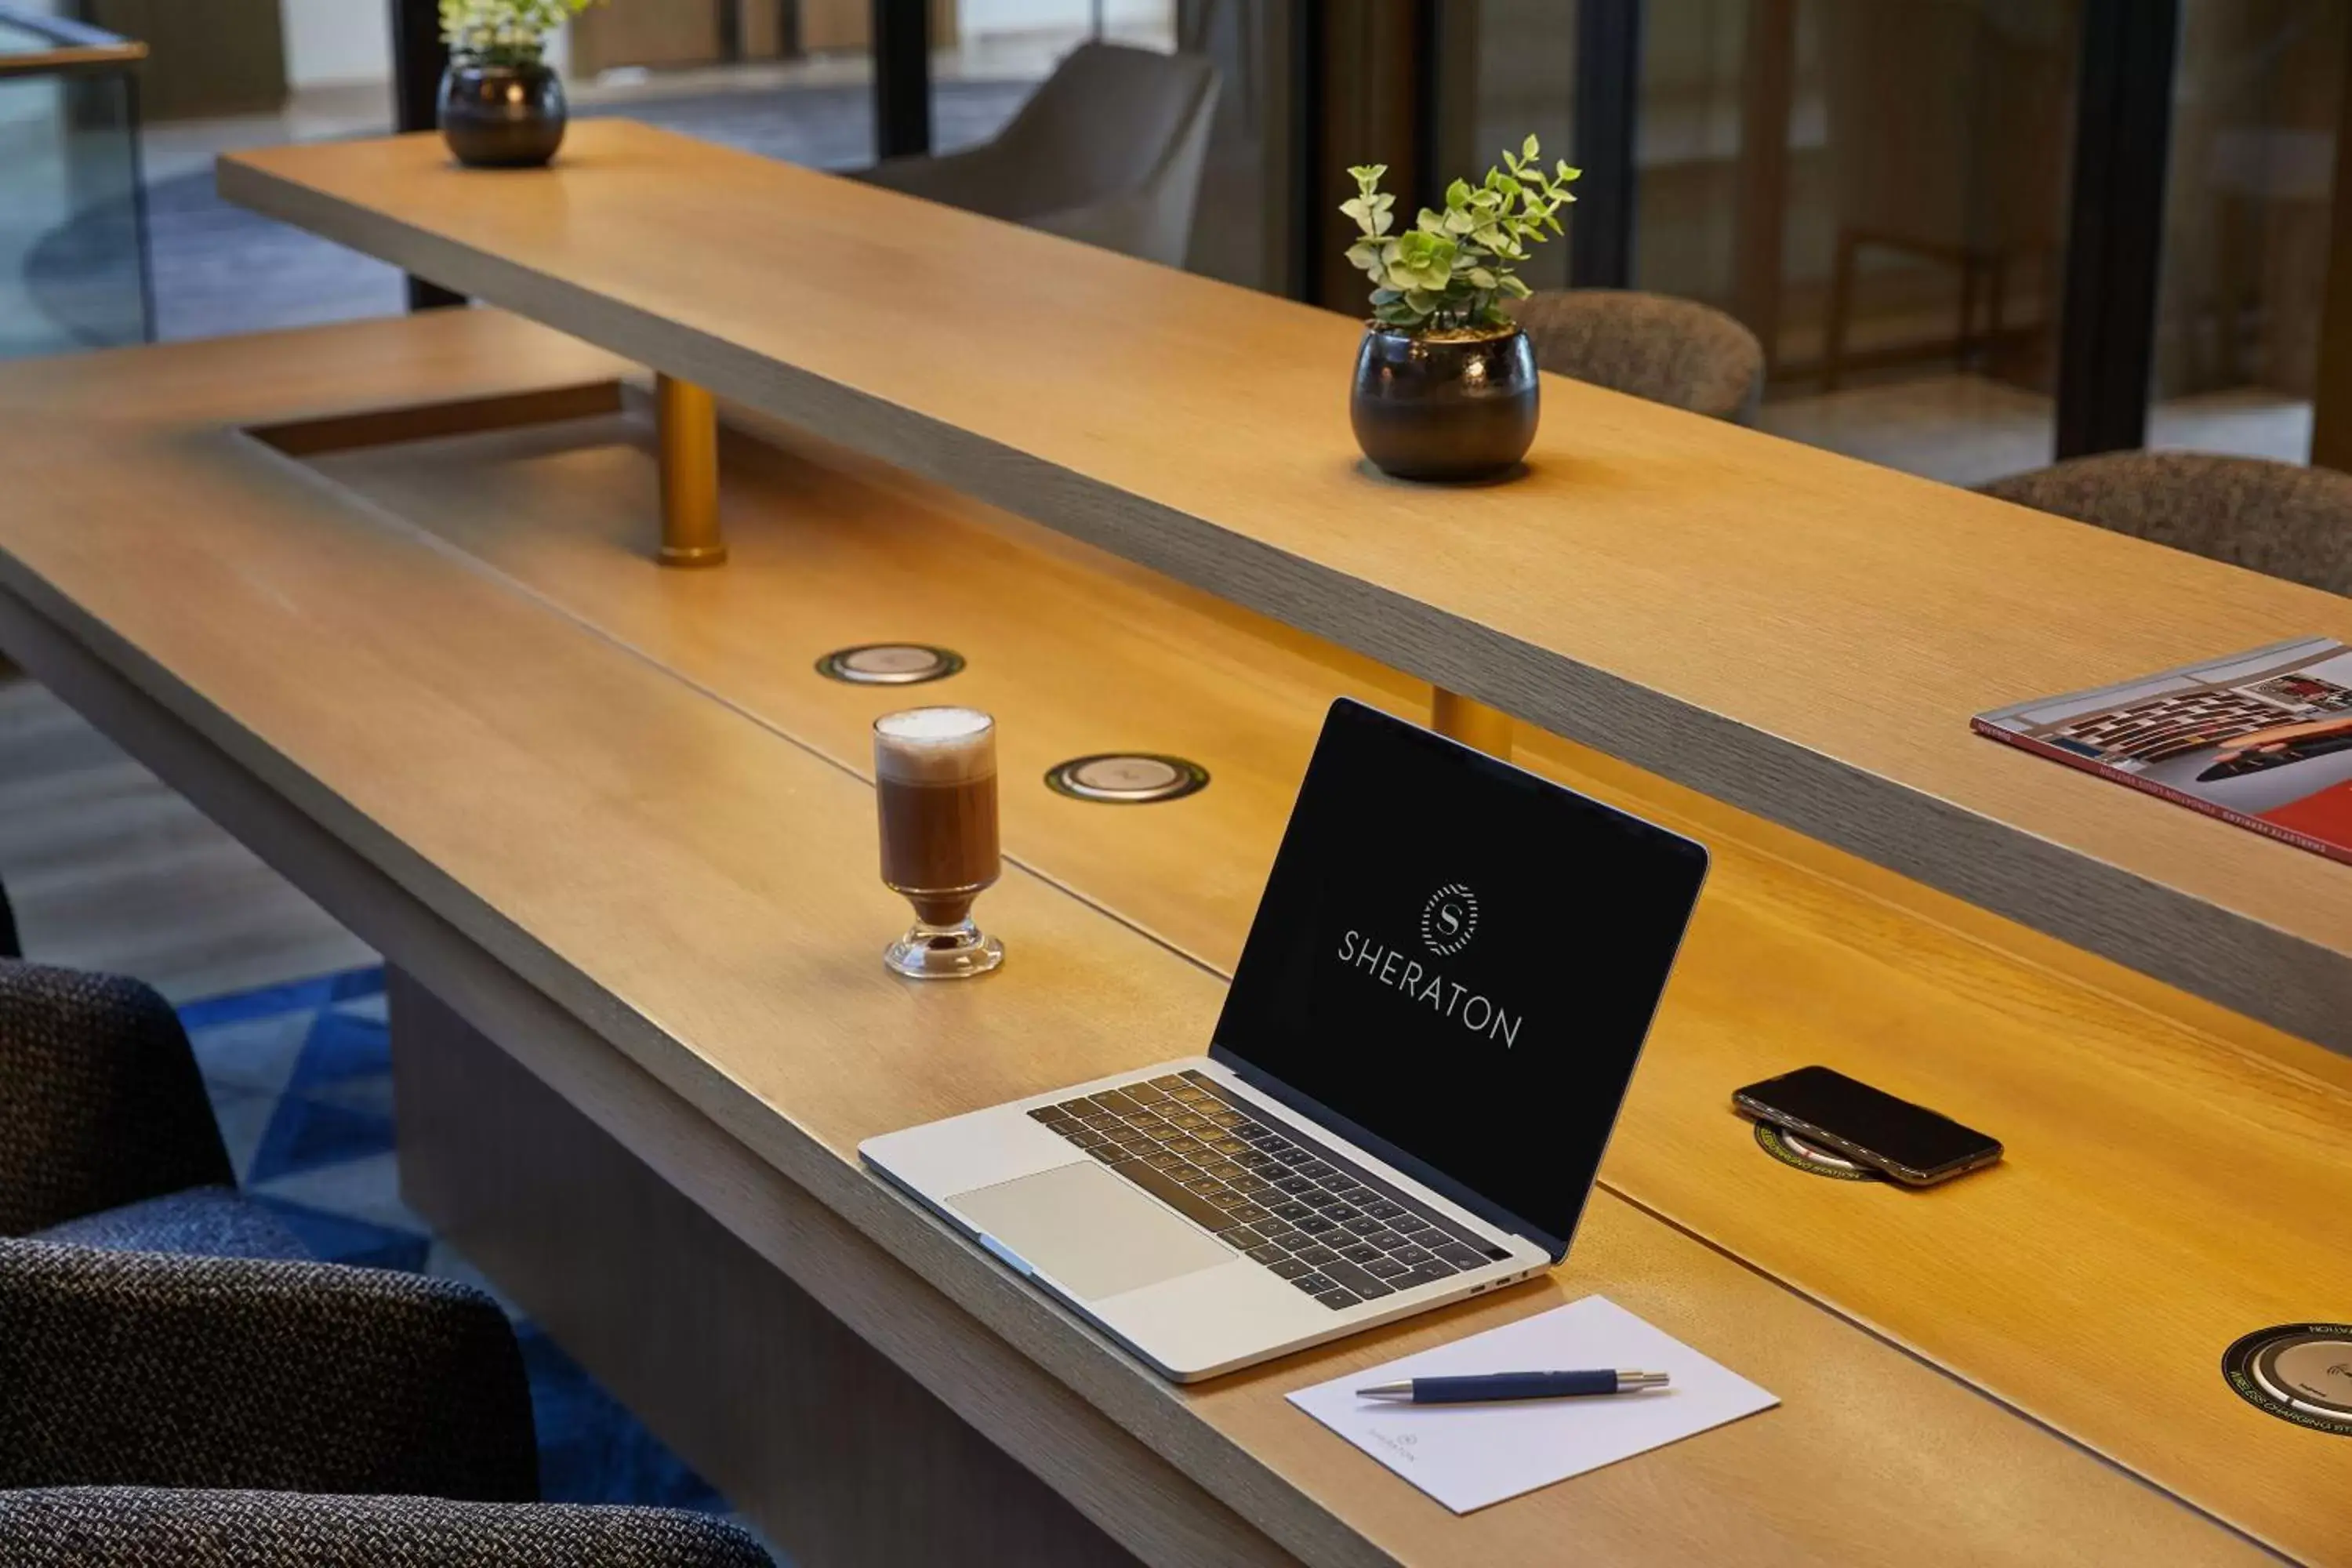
1445 382
501 103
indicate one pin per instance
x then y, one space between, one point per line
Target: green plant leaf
1530 147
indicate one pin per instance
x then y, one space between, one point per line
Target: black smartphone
1909 1142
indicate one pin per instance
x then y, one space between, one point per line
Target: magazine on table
2261 739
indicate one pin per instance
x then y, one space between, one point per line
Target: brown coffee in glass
935 788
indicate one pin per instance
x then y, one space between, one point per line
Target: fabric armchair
1109 150
146 1369
100 1101
109 1527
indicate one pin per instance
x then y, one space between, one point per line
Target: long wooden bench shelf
1799 635
496 731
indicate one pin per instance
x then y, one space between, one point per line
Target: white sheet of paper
1468 1455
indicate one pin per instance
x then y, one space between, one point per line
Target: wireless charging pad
2298 1372
889 664
1127 778
1791 1150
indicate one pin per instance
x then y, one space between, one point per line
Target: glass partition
73 263
2247 209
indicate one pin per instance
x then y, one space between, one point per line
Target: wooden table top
2224 1141
471 738
1800 635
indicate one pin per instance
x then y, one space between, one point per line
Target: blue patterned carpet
300 1079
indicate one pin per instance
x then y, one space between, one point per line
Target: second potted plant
1445 383
501 103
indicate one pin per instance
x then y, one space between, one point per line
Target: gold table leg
1472 723
687 423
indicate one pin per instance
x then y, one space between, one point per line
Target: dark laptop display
1455 962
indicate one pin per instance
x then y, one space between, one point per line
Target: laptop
1417 1067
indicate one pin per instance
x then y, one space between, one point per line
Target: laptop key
1191 1206
1364 1225
1112 1101
1289 1269
1459 1255
1384 1268
1358 1252
1356 1279
1165 1162
1085 1138
1337 1299
1223 1169
1228 1200
1343 1213
1409 1254
1049 1114
1315 1225
1253 1186
1294 1184
1318 1255
1316 1169
1316 1284
1267 1253
1386 1240
1283 1236
1292 1210
1168 1083
1427 1273
1241 1238
1380 1208
1248 1213
1109 1153
1204 1185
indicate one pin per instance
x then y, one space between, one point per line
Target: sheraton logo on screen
1448 920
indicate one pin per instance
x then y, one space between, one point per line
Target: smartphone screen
1908 1141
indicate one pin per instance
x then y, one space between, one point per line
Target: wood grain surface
2225 1142
697 889
1792 632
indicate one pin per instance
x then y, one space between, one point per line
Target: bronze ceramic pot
501 117
1446 408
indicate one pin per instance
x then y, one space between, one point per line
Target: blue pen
1513 1386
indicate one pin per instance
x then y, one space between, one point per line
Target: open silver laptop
1426 1042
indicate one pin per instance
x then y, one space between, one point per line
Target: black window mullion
419 58
2114 245
1607 90
902 78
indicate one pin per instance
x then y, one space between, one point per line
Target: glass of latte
935 785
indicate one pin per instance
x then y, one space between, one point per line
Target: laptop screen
1455 962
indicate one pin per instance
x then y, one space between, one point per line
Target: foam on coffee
934 746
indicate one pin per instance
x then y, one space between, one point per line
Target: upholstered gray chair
1108 150
171 1409
1670 351
148 1369
129 1526
2283 519
107 1137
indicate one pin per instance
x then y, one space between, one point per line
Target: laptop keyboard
1281 1200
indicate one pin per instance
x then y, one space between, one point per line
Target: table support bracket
687 420
1472 723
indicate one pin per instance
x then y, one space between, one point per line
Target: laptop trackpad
1091 1231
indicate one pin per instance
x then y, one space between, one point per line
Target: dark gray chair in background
111 1527
148 1369
102 1112
1108 150
1654 346
107 1137
171 1409
2283 519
